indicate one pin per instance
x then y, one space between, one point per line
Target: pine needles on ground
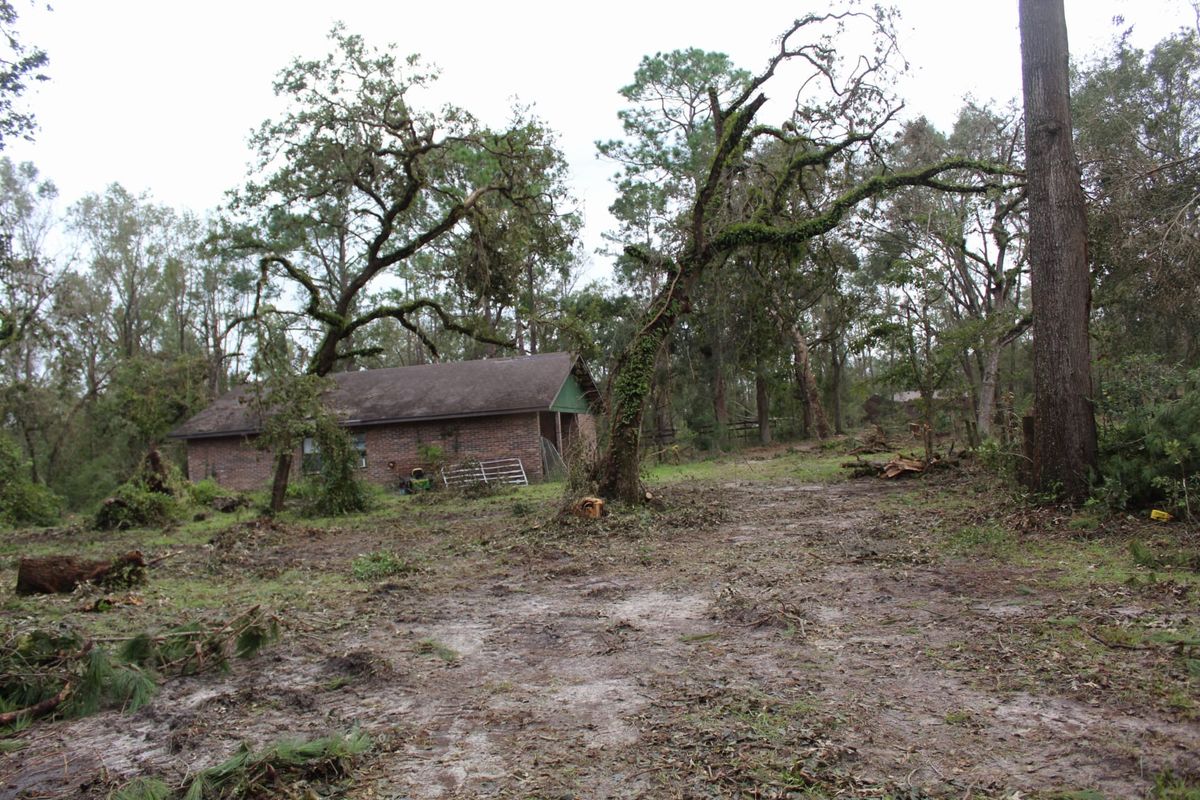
60 672
275 771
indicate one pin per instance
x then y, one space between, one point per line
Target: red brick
392 450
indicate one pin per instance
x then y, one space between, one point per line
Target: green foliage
108 683
143 789
338 489
1149 437
132 505
19 65
36 665
151 395
1135 113
204 492
433 456
1000 458
23 502
380 564
290 764
153 497
1169 786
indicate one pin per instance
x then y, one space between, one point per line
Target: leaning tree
839 117
355 182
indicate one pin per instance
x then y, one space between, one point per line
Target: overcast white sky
160 96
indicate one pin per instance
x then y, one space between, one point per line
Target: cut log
61 574
902 466
588 507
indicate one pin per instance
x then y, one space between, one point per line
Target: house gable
571 398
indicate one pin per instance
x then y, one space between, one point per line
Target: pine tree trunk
1065 439
720 395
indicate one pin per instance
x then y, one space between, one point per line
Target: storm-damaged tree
19 64
355 181
668 142
1065 448
833 128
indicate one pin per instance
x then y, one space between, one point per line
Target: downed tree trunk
61 574
902 466
897 467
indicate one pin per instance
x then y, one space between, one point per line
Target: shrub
132 505
23 502
1150 438
205 492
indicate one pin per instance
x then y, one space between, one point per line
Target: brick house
472 410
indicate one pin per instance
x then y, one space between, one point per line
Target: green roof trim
570 398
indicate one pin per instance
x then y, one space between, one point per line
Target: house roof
424 392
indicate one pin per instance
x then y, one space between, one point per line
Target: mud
797 640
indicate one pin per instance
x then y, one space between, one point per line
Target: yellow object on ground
1161 516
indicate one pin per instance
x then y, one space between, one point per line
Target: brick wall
233 461
392 450
579 437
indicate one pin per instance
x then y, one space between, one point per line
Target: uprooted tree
356 184
765 187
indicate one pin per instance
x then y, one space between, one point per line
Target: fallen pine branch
282 769
65 674
37 709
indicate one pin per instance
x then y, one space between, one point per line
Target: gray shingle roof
423 392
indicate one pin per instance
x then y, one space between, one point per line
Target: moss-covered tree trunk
628 389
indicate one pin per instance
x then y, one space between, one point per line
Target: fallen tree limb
61 574
37 709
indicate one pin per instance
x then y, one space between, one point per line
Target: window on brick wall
310 453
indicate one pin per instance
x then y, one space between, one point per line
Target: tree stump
61 574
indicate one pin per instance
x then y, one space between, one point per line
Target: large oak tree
355 182
833 129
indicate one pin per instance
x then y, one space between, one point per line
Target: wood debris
900 465
61 574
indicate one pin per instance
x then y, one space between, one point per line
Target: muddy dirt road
758 639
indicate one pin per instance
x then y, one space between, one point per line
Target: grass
958 717
432 647
792 464
1168 786
380 564
989 540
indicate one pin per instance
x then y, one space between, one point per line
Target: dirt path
775 639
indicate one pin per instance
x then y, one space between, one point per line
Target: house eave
365 423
